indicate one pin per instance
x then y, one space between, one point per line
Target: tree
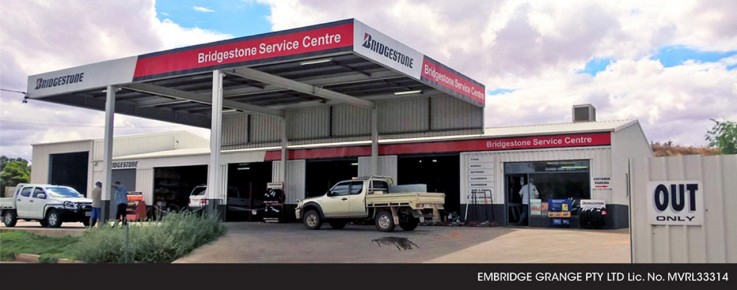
14 171
724 136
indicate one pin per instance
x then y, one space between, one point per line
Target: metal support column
284 152
107 158
374 141
215 190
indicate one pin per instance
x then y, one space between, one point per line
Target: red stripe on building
496 144
443 76
281 45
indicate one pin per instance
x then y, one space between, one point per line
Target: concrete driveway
291 243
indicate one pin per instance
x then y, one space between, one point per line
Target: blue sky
536 58
238 18
669 56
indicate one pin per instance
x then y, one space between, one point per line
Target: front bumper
74 215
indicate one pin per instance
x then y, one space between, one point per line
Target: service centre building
332 102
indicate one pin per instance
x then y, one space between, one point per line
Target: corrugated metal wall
404 115
713 242
387 166
235 129
135 145
452 113
351 121
600 166
145 184
265 129
308 123
296 179
184 139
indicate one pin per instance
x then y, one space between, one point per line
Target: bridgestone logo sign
42 83
675 203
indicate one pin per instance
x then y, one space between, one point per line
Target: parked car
236 200
49 204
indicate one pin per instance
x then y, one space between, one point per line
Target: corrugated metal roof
561 128
526 130
167 153
135 137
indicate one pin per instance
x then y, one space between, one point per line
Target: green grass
162 242
172 238
50 248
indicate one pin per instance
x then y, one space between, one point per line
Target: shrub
174 237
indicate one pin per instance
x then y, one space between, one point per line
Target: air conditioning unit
584 113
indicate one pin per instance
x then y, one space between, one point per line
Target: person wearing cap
96 197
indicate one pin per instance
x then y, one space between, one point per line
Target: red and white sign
515 143
601 182
324 38
448 80
380 48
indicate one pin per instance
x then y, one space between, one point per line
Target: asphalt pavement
292 243
253 242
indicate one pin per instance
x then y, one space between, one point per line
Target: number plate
88 213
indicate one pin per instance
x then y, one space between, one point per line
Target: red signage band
443 76
325 38
497 144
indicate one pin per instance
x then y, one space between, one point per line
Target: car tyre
409 223
312 220
10 218
53 219
384 221
44 223
86 222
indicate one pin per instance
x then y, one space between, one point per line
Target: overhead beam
299 87
184 95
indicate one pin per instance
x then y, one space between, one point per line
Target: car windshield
63 191
200 190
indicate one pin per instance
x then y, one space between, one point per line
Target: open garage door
246 189
323 174
70 169
439 172
172 185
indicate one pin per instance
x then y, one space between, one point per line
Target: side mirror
330 193
41 196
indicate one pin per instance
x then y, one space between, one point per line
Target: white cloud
41 36
532 47
536 47
202 9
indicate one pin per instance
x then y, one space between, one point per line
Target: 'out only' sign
675 202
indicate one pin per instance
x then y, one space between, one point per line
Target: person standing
526 192
121 203
96 203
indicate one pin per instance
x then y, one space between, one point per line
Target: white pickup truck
49 204
370 199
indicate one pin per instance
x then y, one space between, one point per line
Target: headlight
69 204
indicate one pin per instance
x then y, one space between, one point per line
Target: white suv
197 199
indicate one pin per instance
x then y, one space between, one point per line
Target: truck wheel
338 225
53 219
86 222
384 221
9 218
44 223
312 220
409 223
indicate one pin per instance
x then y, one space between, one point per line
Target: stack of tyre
592 218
